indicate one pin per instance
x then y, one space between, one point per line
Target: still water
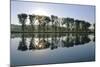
40 48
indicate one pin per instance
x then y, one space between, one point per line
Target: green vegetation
29 28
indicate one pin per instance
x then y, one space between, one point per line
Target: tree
39 18
53 21
87 26
22 19
77 25
47 20
71 21
62 23
43 20
32 20
56 23
67 21
82 25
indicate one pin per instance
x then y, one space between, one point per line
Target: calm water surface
28 49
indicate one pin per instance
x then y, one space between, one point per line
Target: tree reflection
53 43
85 39
32 46
68 42
44 41
22 44
94 38
40 44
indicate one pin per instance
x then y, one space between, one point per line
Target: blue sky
82 12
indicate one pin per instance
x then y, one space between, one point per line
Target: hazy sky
81 12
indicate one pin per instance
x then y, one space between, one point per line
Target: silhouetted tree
32 20
47 20
82 26
77 25
22 19
71 24
68 22
53 18
71 21
87 25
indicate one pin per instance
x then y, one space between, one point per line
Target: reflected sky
59 48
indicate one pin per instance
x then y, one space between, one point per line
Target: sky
82 12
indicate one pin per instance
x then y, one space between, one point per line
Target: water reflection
45 48
43 41
22 44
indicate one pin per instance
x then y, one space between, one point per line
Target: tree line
72 25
